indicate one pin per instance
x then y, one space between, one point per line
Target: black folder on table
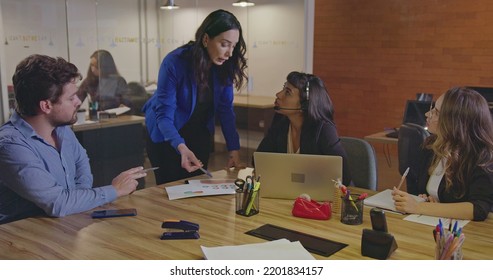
313 244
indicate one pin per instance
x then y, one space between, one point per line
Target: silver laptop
287 176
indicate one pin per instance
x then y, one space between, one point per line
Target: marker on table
403 178
205 172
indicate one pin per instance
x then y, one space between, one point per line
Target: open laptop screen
287 176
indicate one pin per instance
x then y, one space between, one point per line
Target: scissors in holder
240 183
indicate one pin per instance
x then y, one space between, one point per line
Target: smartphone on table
378 220
114 213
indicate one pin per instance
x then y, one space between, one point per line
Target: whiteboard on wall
275 45
274 31
109 26
139 35
40 28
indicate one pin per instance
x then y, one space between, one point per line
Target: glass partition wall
138 34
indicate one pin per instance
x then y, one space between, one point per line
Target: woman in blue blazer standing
195 84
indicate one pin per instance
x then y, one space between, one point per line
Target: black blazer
316 138
479 190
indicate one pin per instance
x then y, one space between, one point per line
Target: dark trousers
168 160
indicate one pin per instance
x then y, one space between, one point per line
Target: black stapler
179 229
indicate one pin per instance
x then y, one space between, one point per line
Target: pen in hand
145 171
403 178
205 172
148 169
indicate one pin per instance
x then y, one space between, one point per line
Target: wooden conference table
80 237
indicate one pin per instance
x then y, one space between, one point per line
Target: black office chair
135 98
411 137
362 162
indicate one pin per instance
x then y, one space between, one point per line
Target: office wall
374 55
74 29
274 31
32 26
139 35
105 25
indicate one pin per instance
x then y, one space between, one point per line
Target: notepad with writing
384 200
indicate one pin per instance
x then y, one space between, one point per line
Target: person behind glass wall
456 171
103 84
304 122
44 168
196 82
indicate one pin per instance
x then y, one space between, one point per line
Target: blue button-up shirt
35 177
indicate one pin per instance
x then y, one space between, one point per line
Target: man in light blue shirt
44 169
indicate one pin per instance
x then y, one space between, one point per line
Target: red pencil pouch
311 209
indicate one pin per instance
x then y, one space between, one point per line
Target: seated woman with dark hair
303 122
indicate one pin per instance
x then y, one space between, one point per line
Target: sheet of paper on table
202 187
433 221
281 249
119 110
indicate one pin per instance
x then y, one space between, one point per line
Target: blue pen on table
205 172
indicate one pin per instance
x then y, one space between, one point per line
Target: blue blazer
171 106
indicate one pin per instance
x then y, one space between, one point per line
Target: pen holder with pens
448 244
247 202
352 209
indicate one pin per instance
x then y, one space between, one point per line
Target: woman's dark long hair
233 70
107 68
314 97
